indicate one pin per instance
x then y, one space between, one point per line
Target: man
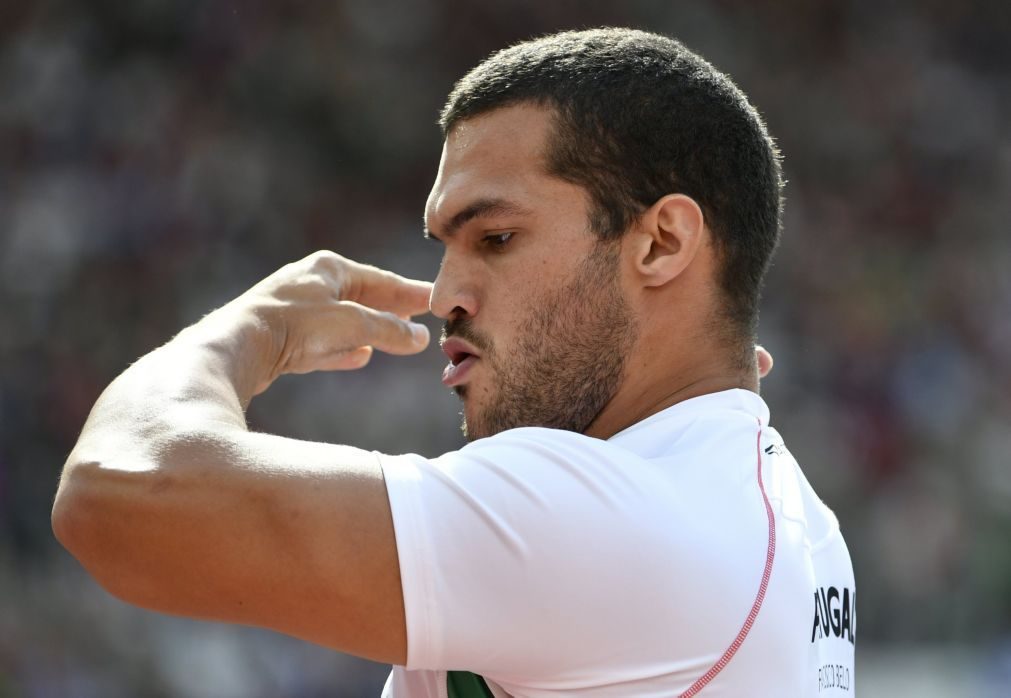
624 521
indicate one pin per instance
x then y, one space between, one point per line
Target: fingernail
420 333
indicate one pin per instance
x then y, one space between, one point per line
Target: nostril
452 298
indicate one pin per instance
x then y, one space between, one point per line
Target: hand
326 313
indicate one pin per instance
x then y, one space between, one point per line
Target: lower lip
455 375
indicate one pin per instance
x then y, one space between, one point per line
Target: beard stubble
568 362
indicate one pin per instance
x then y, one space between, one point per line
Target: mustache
464 329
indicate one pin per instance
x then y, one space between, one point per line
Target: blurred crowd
158 157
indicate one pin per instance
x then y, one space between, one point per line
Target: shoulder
533 451
534 477
554 445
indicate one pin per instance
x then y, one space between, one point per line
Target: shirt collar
735 399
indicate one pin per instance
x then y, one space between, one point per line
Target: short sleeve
513 550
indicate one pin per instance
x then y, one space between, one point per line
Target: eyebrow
478 209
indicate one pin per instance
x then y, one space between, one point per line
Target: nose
455 292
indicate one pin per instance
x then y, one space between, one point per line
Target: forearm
201 379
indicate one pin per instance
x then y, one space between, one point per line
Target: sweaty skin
173 504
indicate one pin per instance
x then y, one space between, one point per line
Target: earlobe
671 232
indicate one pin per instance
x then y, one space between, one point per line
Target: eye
498 240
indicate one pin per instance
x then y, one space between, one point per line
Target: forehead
498 155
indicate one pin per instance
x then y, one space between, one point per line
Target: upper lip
457 349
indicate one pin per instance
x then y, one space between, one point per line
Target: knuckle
324 261
364 321
330 265
318 283
324 256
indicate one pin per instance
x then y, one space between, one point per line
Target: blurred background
158 157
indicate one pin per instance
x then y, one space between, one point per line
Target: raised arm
173 504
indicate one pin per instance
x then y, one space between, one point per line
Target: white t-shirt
685 555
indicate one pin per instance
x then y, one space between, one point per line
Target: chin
465 427
471 420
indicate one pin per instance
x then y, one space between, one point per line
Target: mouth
462 357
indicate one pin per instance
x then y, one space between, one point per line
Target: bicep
262 530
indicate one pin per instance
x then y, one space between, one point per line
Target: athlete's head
594 184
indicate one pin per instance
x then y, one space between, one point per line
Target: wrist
242 345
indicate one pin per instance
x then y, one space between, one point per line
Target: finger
386 291
335 360
765 361
342 337
384 331
347 360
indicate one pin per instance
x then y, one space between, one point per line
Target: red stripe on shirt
770 555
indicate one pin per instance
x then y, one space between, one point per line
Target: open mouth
462 356
458 357
458 350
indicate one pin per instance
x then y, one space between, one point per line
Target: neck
640 398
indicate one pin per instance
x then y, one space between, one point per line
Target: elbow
69 515
60 521
77 511
90 522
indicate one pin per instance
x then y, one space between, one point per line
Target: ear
669 235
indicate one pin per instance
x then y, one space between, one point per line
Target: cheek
507 300
517 292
